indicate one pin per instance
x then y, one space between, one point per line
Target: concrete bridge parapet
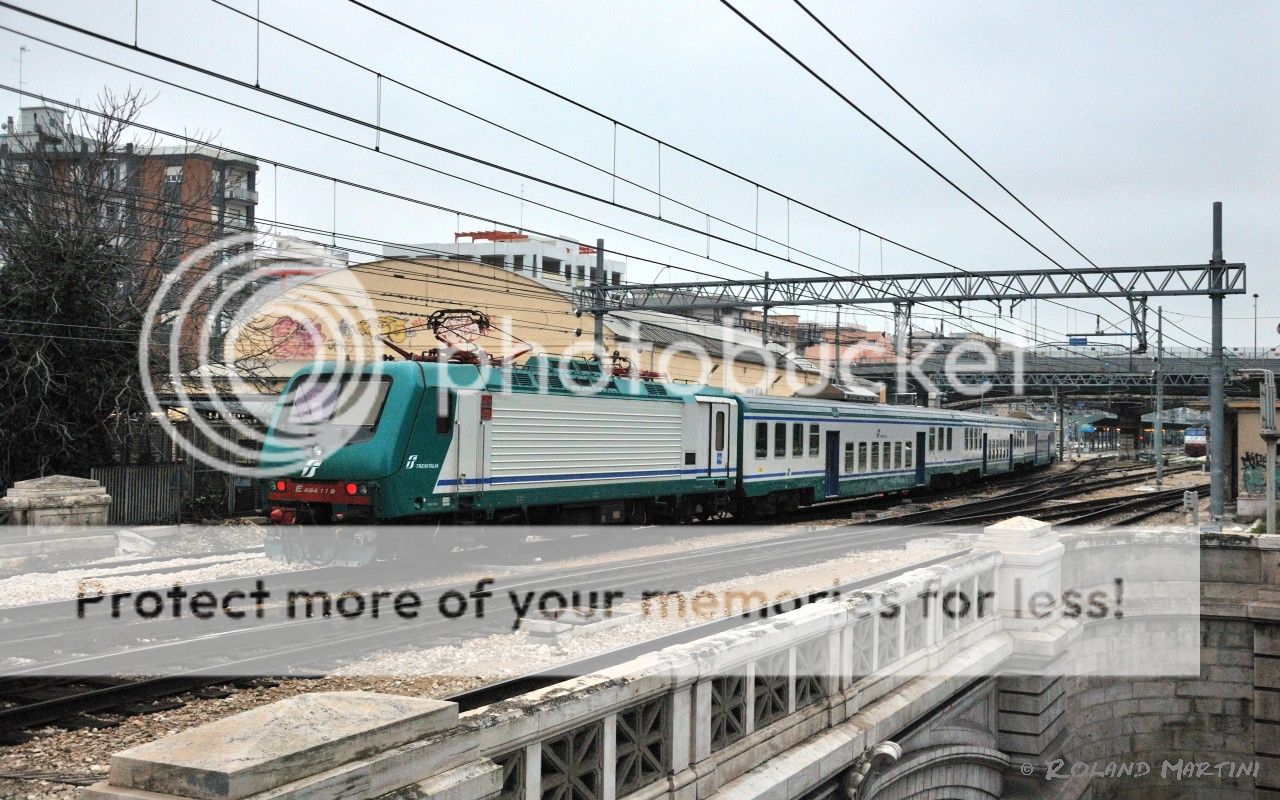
790 708
772 709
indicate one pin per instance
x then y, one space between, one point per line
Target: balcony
240 194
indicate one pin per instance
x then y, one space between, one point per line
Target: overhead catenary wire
553 208
170 59
840 40
212 73
910 150
394 195
662 142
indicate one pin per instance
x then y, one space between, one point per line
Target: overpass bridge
1066 371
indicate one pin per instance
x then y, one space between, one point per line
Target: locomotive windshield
338 399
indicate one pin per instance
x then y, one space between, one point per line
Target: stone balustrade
684 722
784 708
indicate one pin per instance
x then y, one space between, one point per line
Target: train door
471 439
984 452
832 485
1011 452
921 475
718 423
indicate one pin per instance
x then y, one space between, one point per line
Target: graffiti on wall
294 338
1254 472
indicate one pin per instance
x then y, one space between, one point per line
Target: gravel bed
86 753
1177 480
47 587
211 538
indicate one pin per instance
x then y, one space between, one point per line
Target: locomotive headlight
364 489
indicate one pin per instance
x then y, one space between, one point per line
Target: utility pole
1062 422
1255 325
22 52
838 372
1158 428
1217 374
597 282
764 317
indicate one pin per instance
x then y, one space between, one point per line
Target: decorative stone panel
55 500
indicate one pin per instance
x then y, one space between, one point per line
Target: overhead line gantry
1216 279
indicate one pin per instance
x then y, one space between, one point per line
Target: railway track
1032 499
33 700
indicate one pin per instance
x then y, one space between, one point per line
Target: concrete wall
1229 715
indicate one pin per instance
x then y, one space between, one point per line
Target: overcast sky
1120 124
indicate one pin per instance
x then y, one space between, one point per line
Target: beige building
355 312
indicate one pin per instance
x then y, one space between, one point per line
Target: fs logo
413 459
309 471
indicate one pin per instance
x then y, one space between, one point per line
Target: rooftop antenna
22 52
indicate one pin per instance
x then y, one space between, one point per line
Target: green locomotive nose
341 434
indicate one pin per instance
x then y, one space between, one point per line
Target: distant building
558 261
291 254
210 183
161 203
857 345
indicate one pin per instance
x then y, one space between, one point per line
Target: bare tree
91 222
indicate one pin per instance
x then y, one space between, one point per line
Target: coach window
797 439
933 432
862 456
719 430
814 440
875 456
950 442
897 455
762 439
780 440
907 460
848 457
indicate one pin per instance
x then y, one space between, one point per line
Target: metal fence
142 494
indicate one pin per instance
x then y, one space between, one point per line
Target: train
571 441
1195 442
